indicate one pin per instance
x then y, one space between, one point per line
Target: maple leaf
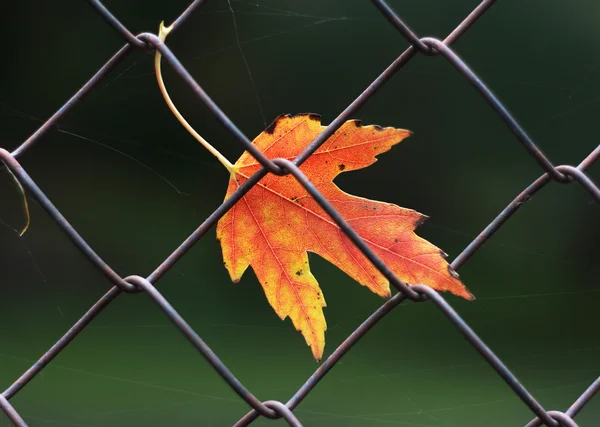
277 222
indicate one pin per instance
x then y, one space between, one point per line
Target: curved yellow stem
25 204
163 32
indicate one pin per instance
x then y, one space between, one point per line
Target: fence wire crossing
272 409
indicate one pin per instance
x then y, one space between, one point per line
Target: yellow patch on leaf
277 222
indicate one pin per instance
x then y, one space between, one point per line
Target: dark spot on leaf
421 220
395 240
374 208
357 123
342 167
218 240
299 272
311 116
271 128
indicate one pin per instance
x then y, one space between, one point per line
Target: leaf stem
25 204
163 32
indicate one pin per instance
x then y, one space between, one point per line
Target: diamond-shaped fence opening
563 174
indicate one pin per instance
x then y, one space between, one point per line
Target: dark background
135 184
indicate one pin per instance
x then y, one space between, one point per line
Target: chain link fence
416 293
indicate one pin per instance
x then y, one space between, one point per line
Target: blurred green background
135 184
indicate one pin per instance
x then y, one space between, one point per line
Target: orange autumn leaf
277 222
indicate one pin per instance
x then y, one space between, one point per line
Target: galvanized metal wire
272 409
